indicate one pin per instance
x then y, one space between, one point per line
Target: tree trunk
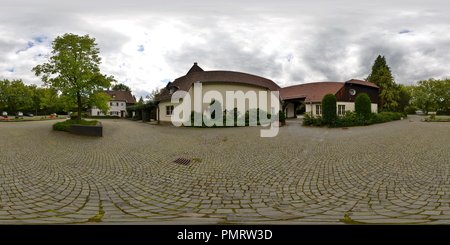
79 106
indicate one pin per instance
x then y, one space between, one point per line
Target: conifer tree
388 94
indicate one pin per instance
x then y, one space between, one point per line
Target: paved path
397 172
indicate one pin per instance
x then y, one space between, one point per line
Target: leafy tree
74 71
424 95
329 108
120 87
15 95
363 105
50 100
388 96
140 101
154 94
404 97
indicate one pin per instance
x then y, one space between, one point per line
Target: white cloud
144 44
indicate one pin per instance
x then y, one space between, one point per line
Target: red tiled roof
361 82
311 92
121 95
198 75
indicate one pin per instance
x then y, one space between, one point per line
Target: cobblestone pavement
396 172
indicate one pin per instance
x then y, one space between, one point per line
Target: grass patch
65 126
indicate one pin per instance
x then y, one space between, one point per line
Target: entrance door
121 113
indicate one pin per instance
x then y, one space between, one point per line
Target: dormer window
114 96
171 90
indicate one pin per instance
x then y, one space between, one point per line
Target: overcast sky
145 44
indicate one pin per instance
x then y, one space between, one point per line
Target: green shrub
411 109
74 116
281 116
65 126
363 105
329 110
104 117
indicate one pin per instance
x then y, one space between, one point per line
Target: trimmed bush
329 108
411 109
74 116
104 117
363 105
65 126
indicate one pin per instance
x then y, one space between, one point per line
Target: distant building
309 94
118 104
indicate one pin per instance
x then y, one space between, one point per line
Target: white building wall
222 88
349 106
116 106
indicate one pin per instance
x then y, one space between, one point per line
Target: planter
86 130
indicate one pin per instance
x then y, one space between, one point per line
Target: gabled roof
311 92
197 74
361 82
195 68
121 95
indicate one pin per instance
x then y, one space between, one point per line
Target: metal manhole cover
182 161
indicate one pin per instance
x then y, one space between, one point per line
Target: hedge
65 126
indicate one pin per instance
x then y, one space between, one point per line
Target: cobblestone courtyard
396 172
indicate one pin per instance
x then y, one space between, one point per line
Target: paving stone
306 175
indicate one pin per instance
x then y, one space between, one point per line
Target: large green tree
120 87
15 95
73 70
424 95
389 93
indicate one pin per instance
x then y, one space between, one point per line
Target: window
110 103
341 109
352 92
318 109
117 104
169 110
121 104
114 96
170 90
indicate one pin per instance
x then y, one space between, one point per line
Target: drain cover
182 161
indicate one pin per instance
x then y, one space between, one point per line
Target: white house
118 104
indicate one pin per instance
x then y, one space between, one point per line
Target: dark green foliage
216 106
65 126
351 118
281 116
411 109
250 118
74 116
104 117
146 115
329 108
311 120
363 105
142 111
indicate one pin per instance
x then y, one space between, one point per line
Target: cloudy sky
145 44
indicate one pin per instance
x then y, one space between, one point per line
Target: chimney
195 63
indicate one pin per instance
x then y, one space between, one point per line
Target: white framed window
169 110
341 109
318 109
